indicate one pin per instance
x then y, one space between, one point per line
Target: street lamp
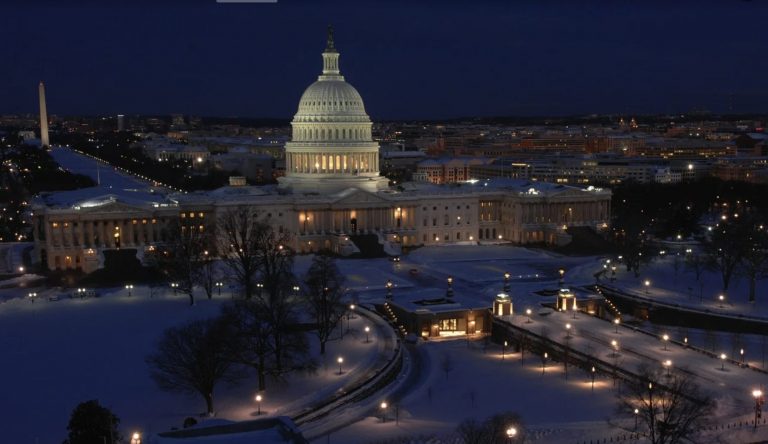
383 411
613 273
615 345
544 362
258 404
560 281
722 358
667 364
367 330
593 379
506 282
449 292
340 360
528 312
511 433
636 413
568 331
136 438
389 289
32 296
219 285
129 287
647 284
259 288
503 350
721 298
741 352
665 338
175 287
616 323
758 395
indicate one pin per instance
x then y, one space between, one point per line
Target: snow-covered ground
61 353
57 354
670 281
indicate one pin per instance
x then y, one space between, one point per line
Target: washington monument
44 142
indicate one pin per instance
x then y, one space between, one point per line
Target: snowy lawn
58 354
482 384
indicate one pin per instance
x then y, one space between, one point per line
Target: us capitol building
332 197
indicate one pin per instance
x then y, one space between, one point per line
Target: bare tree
754 260
184 255
207 273
250 332
725 249
191 359
671 409
275 270
324 294
239 233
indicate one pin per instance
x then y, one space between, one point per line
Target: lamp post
367 330
647 284
351 313
32 296
561 279
218 286
615 345
389 286
667 364
136 438
758 395
503 350
175 287
528 312
506 282
340 360
259 288
665 338
721 298
616 323
129 287
741 352
383 411
593 379
613 273
544 362
258 404
511 433
637 412
449 292
722 358
568 331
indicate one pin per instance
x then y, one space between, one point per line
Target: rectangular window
448 324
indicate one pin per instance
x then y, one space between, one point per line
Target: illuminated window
55 224
201 215
448 324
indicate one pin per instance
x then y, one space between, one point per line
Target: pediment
356 196
109 207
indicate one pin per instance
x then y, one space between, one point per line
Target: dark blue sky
408 59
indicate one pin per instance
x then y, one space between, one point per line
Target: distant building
332 197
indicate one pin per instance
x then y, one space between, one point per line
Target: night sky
408 59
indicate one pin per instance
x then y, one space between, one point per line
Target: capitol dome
330 98
331 147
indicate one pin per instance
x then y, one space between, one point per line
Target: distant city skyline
426 60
